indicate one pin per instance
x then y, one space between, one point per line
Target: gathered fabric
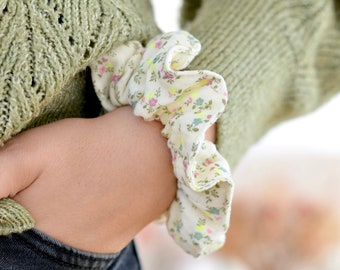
187 102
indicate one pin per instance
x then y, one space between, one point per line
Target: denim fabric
35 250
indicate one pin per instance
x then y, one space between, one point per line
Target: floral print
187 102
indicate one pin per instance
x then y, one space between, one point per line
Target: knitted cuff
13 217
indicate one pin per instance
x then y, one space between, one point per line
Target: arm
97 182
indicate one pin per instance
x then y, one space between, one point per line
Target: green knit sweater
280 59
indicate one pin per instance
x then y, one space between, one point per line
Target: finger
18 166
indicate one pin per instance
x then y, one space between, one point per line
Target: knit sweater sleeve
280 59
45 44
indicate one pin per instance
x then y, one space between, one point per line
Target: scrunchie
153 82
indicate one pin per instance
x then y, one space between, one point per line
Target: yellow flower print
217 170
174 65
200 228
149 95
200 114
208 214
206 81
182 140
152 45
195 94
172 90
150 64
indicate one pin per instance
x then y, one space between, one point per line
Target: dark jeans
35 250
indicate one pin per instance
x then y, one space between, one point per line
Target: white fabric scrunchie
153 81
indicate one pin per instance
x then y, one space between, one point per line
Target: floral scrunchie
153 82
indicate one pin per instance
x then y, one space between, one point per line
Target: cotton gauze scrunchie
153 82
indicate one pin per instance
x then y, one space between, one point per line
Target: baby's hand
90 183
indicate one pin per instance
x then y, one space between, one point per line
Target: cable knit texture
13 217
45 46
279 58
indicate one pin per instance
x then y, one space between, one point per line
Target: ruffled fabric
187 102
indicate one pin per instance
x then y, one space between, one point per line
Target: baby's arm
92 184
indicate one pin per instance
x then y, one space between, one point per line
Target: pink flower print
158 44
225 94
104 59
172 91
185 164
174 158
209 161
153 102
196 174
101 70
209 231
115 78
168 75
190 100
209 116
218 218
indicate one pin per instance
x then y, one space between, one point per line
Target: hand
90 183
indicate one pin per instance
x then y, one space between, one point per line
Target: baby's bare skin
91 183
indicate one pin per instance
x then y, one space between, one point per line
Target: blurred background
285 213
